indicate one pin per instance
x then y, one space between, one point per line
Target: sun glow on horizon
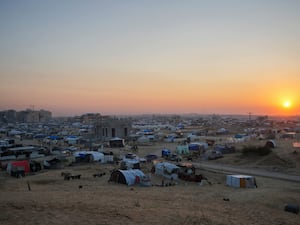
287 104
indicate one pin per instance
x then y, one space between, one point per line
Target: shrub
256 150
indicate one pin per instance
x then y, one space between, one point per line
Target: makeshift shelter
116 142
171 137
130 164
108 157
53 163
148 132
167 170
224 149
165 152
288 135
180 126
151 157
89 156
36 166
240 136
72 139
54 137
17 168
128 177
270 144
196 146
212 154
192 137
182 149
222 131
241 181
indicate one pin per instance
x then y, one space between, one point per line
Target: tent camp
128 177
167 170
241 181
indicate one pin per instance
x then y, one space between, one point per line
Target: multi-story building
107 128
25 116
44 115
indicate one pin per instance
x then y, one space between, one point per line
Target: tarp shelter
180 126
182 149
241 181
150 157
72 139
192 137
53 163
270 144
148 132
224 149
116 142
196 146
128 177
18 166
167 170
240 136
90 156
130 163
222 131
108 157
165 152
54 137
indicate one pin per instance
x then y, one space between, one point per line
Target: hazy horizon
151 57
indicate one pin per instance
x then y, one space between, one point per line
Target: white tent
241 181
129 177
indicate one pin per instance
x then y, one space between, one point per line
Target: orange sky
151 57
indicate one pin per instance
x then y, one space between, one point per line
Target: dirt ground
90 200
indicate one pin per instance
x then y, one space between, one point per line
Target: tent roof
166 165
130 175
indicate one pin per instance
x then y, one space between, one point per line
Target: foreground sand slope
53 200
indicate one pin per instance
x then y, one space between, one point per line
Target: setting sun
286 104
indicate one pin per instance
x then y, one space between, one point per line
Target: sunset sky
136 56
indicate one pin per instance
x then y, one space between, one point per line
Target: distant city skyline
150 57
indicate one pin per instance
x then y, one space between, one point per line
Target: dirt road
249 171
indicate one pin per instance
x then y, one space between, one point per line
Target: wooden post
28 185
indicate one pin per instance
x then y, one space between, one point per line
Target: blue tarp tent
198 146
165 152
240 135
55 137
